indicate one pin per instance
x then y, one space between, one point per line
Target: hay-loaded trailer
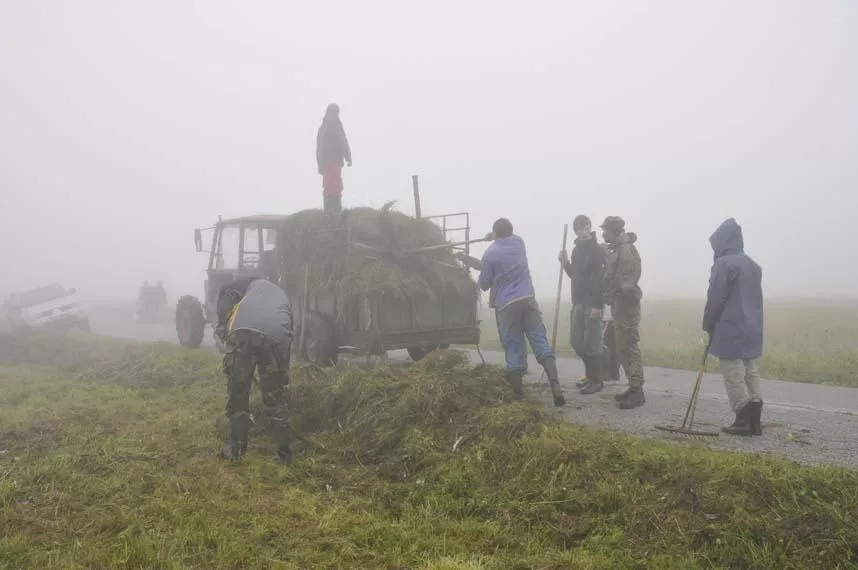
377 280
367 282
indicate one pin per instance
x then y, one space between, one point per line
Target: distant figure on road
255 323
623 294
734 320
505 271
586 269
332 151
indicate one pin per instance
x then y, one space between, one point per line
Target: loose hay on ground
133 480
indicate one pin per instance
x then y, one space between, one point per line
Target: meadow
805 340
108 459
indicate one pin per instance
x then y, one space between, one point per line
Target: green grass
108 459
808 341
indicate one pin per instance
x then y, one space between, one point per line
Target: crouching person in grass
504 270
734 320
586 270
255 323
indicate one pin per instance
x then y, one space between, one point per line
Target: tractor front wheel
190 322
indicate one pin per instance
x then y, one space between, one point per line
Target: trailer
335 318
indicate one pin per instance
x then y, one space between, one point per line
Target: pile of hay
399 422
383 268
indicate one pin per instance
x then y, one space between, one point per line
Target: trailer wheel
320 341
190 322
418 353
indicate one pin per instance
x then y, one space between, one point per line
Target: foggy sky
125 124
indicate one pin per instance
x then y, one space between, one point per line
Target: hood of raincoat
727 239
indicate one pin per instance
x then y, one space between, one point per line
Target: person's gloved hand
490 236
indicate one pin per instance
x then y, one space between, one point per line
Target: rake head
688 432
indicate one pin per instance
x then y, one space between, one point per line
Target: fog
126 124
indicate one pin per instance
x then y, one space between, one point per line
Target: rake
686 429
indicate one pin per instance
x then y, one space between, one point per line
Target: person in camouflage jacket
623 295
255 325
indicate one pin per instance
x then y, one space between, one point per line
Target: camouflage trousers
627 336
248 351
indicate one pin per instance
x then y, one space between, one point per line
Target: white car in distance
49 307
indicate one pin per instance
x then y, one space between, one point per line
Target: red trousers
332 179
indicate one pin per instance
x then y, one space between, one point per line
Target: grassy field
807 340
108 459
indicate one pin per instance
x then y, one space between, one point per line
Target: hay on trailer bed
376 262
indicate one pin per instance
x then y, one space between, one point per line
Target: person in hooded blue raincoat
733 317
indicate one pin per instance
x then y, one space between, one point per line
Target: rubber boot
632 398
742 423
594 385
237 429
755 413
514 379
550 365
282 437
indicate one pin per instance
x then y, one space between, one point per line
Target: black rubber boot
755 413
550 365
742 423
514 379
282 437
622 395
594 384
633 398
237 429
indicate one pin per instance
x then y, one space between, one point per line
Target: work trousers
626 311
518 322
742 381
585 332
246 352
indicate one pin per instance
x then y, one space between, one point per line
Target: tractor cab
238 248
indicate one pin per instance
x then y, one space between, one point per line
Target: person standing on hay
586 269
504 270
255 324
623 294
733 318
332 151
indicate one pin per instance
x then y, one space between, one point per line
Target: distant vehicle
151 304
51 306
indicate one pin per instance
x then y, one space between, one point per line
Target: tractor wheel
320 341
190 321
418 353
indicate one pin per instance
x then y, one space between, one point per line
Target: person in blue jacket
734 320
504 272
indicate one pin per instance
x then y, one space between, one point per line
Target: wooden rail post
416 187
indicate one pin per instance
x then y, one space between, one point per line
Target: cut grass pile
108 459
806 340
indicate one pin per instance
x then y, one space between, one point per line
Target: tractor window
270 239
227 253
250 255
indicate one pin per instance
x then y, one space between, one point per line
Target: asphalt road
807 423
